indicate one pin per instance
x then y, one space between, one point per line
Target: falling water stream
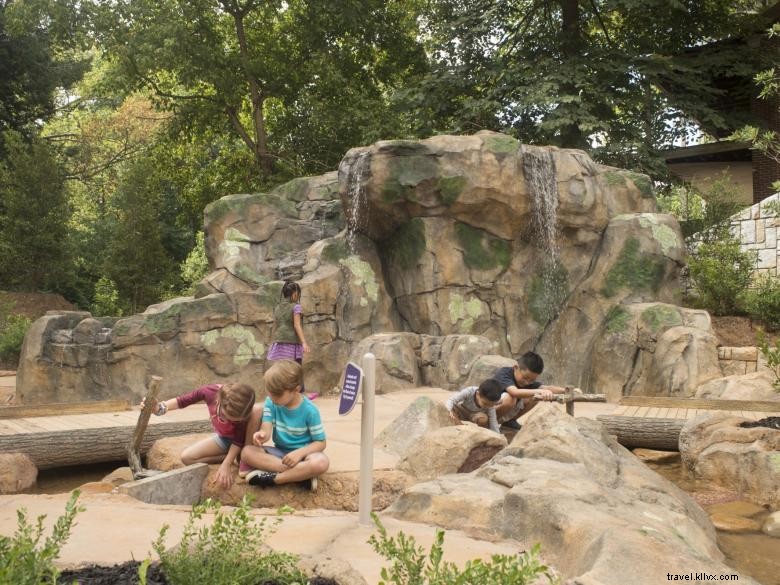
357 214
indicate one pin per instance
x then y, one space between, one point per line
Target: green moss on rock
501 144
642 182
464 313
634 271
548 292
617 320
294 190
660 317
405 173
406 246
482 251
334 251
450 188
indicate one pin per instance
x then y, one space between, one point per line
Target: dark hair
531 361
490 390
289 287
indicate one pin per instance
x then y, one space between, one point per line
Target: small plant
763 302
13 328
721 273
412 566
229 551
771 354
24 559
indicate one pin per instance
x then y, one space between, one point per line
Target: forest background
120 120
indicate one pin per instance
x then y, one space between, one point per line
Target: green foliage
24 559
617 319
721 273
196 266
34 213
228 550
548 292
762 302
634 271
481 250
13 328
406 246
771 354
411 565
659 316
106 299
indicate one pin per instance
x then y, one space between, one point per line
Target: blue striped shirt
294 427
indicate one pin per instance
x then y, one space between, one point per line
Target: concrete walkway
115 528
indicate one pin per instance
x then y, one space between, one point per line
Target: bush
106 300
412 566
772 356
763 302
23 560
721 273
229 551
13 328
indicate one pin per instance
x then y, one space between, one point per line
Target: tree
599 74
243 65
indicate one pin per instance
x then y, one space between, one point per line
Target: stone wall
757 229
738 360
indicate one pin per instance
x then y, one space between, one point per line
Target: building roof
722 151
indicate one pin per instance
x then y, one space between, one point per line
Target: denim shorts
223 442
277 452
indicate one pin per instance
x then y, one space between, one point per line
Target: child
521 389
476 404
295 424
230 407
288 340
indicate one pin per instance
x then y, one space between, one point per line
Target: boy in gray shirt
476 404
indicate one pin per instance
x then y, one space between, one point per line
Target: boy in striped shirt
294 424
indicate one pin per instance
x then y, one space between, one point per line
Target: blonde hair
236 400
284 375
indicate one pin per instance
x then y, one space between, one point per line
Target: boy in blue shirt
294 423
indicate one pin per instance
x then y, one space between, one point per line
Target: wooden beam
701 403
662 434
57 408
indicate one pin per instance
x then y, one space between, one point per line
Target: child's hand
292 458
306 347
454 418
543 394
224 478
259 438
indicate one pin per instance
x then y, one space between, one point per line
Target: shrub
412 566
771 355
13 328
229 551
721 273
23 559
106 300
196 265
763 302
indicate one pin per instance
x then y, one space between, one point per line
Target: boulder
771 525
600 515
714 448
448 449
339 570
421 417
17 473
485 367
753 386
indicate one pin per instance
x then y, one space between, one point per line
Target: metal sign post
367 440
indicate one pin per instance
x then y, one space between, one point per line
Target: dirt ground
34 305
737 331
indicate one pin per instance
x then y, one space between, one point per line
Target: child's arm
456 398
294 457
265 432
298 326
253 424
224 477
160 408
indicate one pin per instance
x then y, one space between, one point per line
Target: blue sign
353 378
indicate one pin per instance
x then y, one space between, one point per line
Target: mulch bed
127 574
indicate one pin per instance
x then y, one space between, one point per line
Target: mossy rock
548 292
405 173
294 190
237 204
450 189
482 251
406 246
617 320
642 182
501 144
634 271
334 251
660 317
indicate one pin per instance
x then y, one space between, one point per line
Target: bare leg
313 465
258 458
204 451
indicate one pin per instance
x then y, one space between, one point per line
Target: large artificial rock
600 515
455 239
653 349
448 449
420 417
17 473
715 448
753 386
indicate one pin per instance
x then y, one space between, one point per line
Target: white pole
367 440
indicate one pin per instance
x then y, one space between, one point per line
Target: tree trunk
571 48
662 434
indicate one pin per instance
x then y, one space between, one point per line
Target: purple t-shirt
234 431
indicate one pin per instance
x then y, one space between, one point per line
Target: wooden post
569 398
134 447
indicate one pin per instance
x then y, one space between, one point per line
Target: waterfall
357 214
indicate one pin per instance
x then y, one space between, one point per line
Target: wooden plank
641 412
701 403
620 410
682 413
653 413
55 409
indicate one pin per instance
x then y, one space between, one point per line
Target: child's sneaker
511 424
310 484
261 478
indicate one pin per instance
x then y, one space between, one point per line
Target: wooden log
92 445
134 446
662 434
59 408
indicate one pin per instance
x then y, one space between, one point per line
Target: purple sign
353 377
